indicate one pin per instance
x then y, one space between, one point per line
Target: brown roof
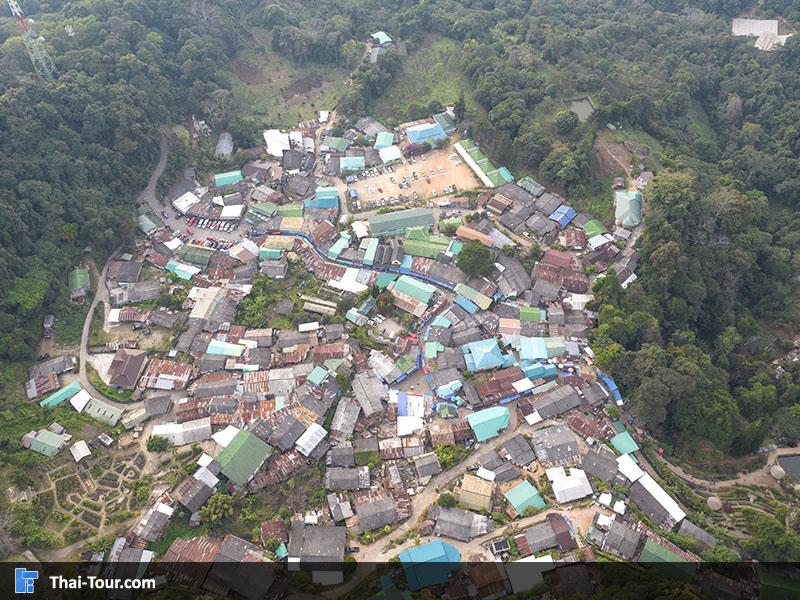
126 366
274 530
557 258
476 485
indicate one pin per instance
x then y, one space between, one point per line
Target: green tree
566 121
157 443
218 508
475 259
447 500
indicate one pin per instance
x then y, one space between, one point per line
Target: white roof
204 460
349 282
578 301
276 142
225 437
619 507
323 116
408 425
628 467
486 474
360 229
605 498
523 385
113 315
185 433
185 202
164 509
569 487
310 326
663 498
245 245
390 154
603 520
218 201
754 27
173 244
310 439
232 211
599 240
80 400
80 450
770 41
206 476
296 137
533 418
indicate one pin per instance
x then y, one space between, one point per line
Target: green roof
103 412
414 288
243 456
228 178
482 300
531 313
418 233
523 495
628 209
48 443
269 253
59 396
432 349
428 249
336 143
624 443
405 363
593 227
488 422
291 210
195 255
395 223
326 193
266 209
671 564
79 278
145 224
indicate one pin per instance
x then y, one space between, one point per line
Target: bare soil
302 86
247 72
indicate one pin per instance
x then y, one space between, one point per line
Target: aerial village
454 417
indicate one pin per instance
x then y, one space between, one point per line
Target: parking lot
414 181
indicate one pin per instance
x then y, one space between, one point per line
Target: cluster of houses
485 352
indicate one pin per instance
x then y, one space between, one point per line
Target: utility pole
42 62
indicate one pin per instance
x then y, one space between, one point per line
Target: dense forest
720 251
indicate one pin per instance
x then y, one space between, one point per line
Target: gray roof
346 416
369 391
556 401
541 537
515 279
427 464
458 523
55 365
192 493
211 362
343 456
622 540
555 446
704 539
340 508
366 445
157 405
514 192
649 505
222 387
317 544
347 478
375 511
601 463
286 432
519 451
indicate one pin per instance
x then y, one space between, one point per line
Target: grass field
431 72
278 92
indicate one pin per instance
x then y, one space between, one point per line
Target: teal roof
228 178
488 422
482 354
372 248
339 245
384 279
224 348
384 139
624 443
523 495
445 121
628 208
429 564
416 289
59 396
326 193
381 37
281 551
318 375
531 348
352 163
269 253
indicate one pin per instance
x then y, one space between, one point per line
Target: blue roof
429 564
482 354
531 348
467 304
563 215
427 132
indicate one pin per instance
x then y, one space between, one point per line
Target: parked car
164 214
